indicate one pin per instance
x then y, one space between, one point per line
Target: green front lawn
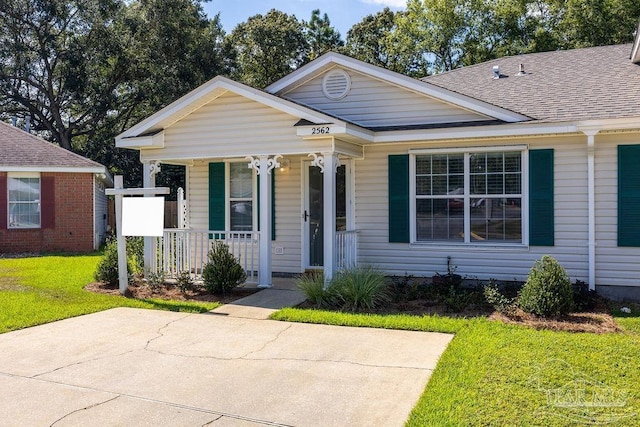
43 289
503 375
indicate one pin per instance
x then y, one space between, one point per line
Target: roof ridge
529 54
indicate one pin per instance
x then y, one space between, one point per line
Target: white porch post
150 169
329 214
264 166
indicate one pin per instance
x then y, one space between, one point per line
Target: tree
85 70
321 36
60 64
268 47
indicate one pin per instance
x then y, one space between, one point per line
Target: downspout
591 201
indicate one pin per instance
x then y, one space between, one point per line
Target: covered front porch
280 215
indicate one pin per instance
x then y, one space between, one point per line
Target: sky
342 13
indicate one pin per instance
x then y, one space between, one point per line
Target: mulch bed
594 322
170 292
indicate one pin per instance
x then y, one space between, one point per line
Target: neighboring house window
468 197
24 201
240 197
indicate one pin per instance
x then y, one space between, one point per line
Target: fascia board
62 169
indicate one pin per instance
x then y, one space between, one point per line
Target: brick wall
73 230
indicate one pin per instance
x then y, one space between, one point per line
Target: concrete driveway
141 367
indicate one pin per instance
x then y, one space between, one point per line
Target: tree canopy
85 70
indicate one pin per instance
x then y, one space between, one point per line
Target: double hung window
24 202
240 197
474 196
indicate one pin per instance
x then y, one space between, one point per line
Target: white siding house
344 163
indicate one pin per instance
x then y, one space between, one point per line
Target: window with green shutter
217 197
628 195
398 198
541 189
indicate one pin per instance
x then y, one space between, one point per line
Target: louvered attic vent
336 84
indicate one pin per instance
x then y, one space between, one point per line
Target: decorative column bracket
154 168
318 160
272 163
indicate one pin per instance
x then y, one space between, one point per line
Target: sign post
119 192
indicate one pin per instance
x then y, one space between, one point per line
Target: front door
313 212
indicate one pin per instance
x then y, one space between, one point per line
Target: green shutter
217 197
628 195
541 211
273 204
399 198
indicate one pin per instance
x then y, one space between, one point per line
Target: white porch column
150 169
264 166
329 214
591 202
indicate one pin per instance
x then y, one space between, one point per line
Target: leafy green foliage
154 279
547 291
312 284
223 272
268 47
107 269
184 281
321 36
500 302
360 288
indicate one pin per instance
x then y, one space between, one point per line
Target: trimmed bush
107 270
361 288
547 291
184 282
223 272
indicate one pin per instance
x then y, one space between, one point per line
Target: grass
493 374
38 290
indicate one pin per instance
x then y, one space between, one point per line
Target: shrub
497 299
583 298
547 291
223 272
184 282
312 284
359 288
154 279
107 270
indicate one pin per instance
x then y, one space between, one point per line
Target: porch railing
186 250
346 249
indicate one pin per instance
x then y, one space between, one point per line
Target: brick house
51 200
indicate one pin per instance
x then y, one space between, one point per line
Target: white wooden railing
346 249
187 250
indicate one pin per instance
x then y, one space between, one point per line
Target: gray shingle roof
590 83
21 149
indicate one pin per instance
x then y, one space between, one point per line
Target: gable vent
336 84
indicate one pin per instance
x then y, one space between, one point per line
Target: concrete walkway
260 305
143 367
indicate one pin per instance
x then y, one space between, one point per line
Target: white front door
312 215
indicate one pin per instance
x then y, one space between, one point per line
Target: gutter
591 201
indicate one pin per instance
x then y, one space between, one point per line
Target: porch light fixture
285 165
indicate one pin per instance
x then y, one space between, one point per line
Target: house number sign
320 130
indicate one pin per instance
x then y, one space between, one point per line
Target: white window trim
227 196
524 149
11 175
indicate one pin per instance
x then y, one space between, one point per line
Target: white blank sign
142 216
